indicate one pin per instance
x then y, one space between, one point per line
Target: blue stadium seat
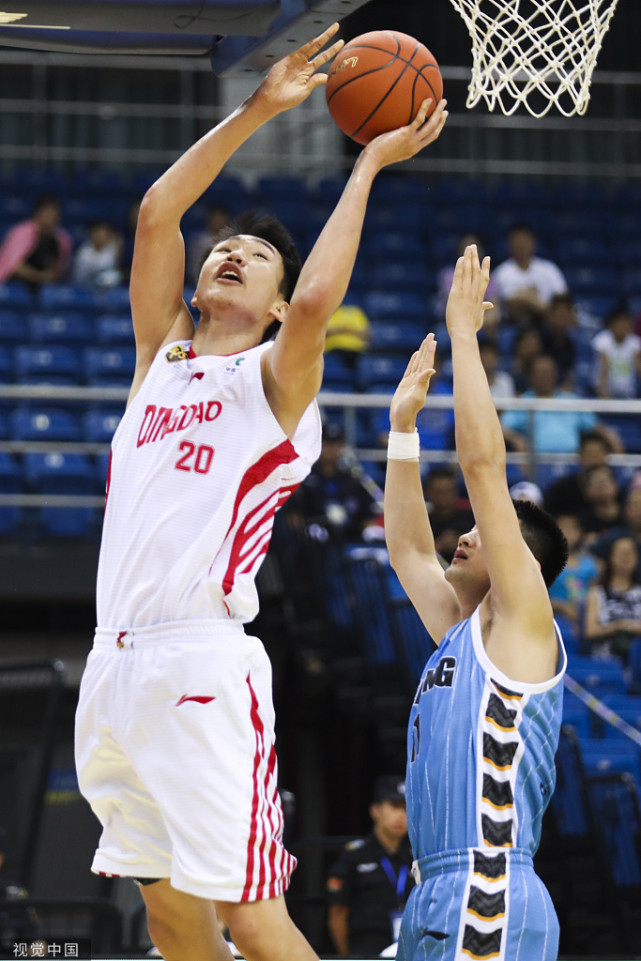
69 328
592 280
101 471
628 708
7 366
14 296
414 646
337 375
12 328
401 338
634 667
68 522
628 426
569 800
577 714
113 366
44 424
610 756
380 370
370 610
392 188
282 188
48 362
614 801
58 473
598 677
580 195
115 330
517 194
631 282
394 307
229 192
102 181
10 483
114 300
584 251
100 425
66 297
14 208
397 274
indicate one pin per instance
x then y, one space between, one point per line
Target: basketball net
534 53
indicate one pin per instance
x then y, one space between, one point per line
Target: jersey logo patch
233 366
198 698
366 868
177 352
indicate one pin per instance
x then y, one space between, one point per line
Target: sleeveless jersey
199 466
480 769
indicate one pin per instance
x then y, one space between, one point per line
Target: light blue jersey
480 774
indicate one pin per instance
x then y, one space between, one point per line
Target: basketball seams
388 94
388 91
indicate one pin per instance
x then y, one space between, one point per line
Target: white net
534 53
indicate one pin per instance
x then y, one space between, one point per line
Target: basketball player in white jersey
175 727
484 725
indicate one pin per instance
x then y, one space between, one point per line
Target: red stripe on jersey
257 473
253 830
108 485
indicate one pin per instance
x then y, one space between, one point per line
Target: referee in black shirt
370 882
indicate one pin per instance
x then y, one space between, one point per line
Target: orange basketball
378 81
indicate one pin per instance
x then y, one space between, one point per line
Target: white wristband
401 446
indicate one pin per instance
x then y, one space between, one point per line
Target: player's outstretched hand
405 142
410 394
465 305
292 79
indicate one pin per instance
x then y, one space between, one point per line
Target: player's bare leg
264 931
182 926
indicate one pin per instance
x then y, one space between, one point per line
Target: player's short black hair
270 229
545 539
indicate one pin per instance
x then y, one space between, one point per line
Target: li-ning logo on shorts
177 352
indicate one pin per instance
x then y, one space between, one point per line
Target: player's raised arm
157 279
407 528
518 592
295 363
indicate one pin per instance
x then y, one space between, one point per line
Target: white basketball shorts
175 753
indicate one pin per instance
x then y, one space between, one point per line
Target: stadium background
95 131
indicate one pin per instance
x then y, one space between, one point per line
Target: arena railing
348 404
50 121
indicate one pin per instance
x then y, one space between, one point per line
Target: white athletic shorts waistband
207 631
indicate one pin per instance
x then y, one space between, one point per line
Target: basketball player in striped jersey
175 726
485 720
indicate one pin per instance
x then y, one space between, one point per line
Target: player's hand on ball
409 397
405 142
465 305
292 79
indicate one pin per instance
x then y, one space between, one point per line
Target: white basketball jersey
199 466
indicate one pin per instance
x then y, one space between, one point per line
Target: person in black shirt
370 882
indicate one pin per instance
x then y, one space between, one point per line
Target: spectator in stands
569 592
631 526
618 351
96 262
558 322
602 495
348 333
528 344
370 882
36 251
527 491
613 615
200 245
492 316
450 514
565 496
526 283
501 383
332 496
553 431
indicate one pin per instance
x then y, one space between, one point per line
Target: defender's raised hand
409 397
292 79
465 305
405 142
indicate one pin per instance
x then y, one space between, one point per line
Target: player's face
243 272
468 564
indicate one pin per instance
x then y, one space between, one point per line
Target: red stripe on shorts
253 831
